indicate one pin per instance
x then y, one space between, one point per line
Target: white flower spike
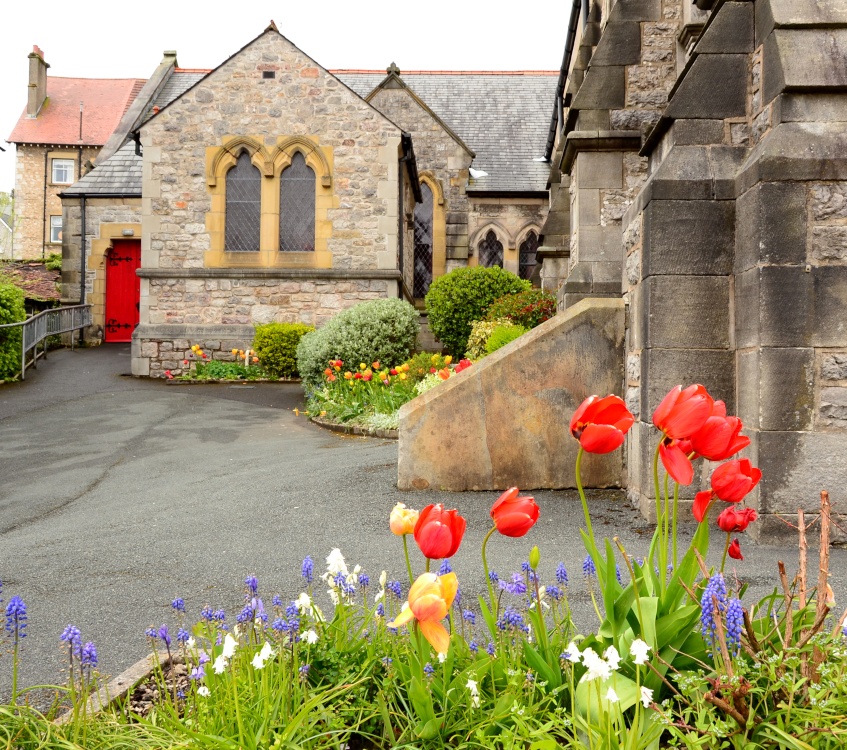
638 650
572 653
646 696
204 691
612 696
220 664
597 668
310 637
612 656
230 644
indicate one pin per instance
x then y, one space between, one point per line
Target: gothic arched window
491 251
528 249
297 207
243 206
423 243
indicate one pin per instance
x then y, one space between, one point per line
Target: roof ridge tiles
362 71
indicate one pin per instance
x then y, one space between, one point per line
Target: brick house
64 126
272 189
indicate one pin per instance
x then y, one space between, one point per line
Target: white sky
114 39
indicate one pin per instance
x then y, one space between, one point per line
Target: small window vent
268 74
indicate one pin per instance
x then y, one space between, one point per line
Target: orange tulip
430 599
402 520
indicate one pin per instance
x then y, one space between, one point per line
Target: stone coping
340 274
351 429
120 686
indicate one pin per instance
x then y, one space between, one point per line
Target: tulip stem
725 550
427 564
408 562
656 488
675 508
491 598
581 491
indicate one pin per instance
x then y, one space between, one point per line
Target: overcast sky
98 39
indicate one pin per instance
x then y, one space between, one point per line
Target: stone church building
272 189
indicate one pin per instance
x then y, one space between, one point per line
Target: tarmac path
118 494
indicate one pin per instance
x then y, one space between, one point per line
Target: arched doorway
123 290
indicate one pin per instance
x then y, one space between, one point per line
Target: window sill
268 259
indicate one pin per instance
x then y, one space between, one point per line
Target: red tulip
719 437
734 550
439 532
675 460
683 412
601 423
733 480
514 516
702 502
734 520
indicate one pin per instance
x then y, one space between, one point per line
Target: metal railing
48 323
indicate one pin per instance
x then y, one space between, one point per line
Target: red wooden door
123 289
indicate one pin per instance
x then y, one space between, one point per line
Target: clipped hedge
503 335
382 329
527 309
12 310
459 298
276 344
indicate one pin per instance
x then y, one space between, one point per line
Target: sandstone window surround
271 157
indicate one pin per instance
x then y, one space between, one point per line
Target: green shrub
381 330
53 262
12 310
275 345
503 335
527 309
456 300
480 331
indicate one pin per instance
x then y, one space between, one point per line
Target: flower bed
369 397
366 659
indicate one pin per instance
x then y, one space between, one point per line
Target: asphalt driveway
119 494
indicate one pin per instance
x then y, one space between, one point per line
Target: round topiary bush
480 331
527 309
503 335
461 297
383 329
12 310
275 345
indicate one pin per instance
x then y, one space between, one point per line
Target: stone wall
32 229
515 408
441 156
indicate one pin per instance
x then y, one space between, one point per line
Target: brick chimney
37 91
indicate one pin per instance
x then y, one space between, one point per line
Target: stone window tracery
526 258
243 206
491 250
423 242
297 207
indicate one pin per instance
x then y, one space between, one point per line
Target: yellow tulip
430 599
402 520
448 359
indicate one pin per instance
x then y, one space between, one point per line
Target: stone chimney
37 91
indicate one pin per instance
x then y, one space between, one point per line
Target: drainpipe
44 211
557 120
82 262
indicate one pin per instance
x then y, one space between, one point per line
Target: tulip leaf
553 677
646 610
422 701
591 696
489 618
428 730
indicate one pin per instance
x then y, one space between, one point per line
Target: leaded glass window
527 255
297 207
491 251
243 206
423 242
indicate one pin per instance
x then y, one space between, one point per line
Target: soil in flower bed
148 692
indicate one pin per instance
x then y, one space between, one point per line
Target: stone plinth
504 422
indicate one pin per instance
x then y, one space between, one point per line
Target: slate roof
120 174
105 101
503 116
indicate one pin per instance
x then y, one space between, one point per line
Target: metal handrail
48 323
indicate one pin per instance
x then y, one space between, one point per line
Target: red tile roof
104 102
